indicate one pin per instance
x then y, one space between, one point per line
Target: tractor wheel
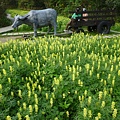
103 27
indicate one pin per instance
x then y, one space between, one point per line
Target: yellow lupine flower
112 105
30 109
46 94
83 97
98 75
73 77
29 94
56 118
89 113
51 101
9 80
0 62
111 68
4 71
104 82
18 103
43 80
39 88
87 66
8 118
89 100
90 72
36 100
0 86
20 58
105 93
20 93
79 81
92 69
85 112
12 94
105 65
35 95
63 95
11 68
75 62
24 106
18 63
36 108
60 63
80 68
98 67
100 95
20 109
11 57
85 93
27 117
75 91
103 104
67 113
79 97
116 67
81 84
43 112
99 115
19 116
111 90
96 118
113 82
109 75
60 78
118 72
114 59
114 113
53 95
57 81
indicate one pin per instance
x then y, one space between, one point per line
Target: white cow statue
38 18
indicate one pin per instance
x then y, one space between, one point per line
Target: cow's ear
24 17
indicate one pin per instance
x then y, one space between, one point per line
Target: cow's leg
55 28
35 29
54 24
49 28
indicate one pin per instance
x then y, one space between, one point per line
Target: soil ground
5 39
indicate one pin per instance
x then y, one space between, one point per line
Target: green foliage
49 78
4 22
116 27
3 19
13 12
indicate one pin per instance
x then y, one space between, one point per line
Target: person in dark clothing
73 18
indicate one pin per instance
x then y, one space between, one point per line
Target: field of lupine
52 78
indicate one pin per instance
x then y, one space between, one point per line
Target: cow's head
18 20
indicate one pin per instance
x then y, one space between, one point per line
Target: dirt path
5 29
5 39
